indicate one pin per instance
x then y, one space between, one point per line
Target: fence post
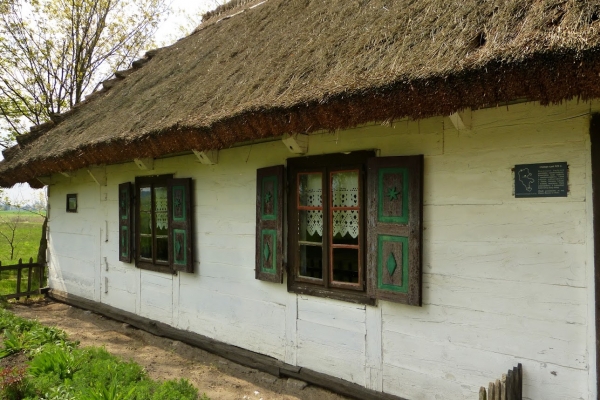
29 277
482 394
19 272
41 277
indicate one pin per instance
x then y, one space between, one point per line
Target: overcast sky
184 14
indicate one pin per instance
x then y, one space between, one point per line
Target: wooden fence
510 387
30 275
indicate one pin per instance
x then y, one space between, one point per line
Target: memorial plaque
541 180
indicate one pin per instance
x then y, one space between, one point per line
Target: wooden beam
595 157
146 164
98 174
46 180
208 157
297 144
462 120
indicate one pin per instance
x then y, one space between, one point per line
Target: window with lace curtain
354 227
326 223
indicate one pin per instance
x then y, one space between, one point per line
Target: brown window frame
143 263
327 165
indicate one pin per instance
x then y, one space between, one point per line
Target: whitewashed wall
505 280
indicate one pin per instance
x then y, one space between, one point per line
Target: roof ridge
232 5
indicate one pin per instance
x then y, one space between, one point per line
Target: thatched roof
257 69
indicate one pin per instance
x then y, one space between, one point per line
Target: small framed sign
541 180
72 203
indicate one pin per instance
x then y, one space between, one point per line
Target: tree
8 231
54 52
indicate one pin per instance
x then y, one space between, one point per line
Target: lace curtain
344 189
162 215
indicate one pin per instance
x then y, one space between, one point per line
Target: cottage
392 198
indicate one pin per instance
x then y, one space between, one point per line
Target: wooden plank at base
236 354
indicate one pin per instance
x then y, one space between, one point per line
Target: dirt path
168 359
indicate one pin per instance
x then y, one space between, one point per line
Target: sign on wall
541 180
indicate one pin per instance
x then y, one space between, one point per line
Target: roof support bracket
208 157
297 144
46 180
462 120
98 174
146 164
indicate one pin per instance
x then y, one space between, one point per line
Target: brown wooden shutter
395 204
181 232
269 224
125 225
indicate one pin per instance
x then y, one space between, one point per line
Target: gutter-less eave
547 78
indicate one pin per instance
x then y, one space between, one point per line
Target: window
152 223
72 203
353 226
326 240
162 219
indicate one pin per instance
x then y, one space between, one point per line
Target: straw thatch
257 69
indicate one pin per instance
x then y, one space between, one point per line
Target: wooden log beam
98 174
145 164
462 120
208 157
297 144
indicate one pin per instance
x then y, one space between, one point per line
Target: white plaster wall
505 280
74 240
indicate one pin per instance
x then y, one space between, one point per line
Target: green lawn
28 233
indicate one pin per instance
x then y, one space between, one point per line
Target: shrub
54 360
12 383
176 390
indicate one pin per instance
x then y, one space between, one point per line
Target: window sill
331 293
155 267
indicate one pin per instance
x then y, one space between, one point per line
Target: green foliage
60 392
100 369
30 336
112 392
12 383
53 52
175 390
54 360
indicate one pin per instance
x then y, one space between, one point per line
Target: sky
184 13
184 17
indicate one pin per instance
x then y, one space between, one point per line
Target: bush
175 390
12 383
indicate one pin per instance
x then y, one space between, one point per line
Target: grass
57 368
28 233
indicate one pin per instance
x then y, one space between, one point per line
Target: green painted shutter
181 233
269 224
125 225
394 215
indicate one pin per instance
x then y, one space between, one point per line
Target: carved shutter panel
395 203
269 224
181 238
125 225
